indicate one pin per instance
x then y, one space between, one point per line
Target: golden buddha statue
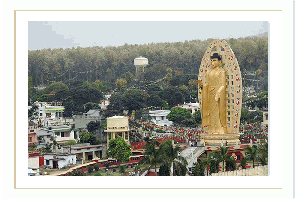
220 94
214 98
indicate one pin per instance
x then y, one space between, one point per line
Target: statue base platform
217 139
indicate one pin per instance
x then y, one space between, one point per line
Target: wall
33 162
257 171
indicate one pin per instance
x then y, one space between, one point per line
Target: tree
177 115
93 126
135 99
121 85
91 106
223 152
199 169
129 78
197 117
252 154
169 156
263 153
87 137
119 150
33 111
164 170
116 103
151 154
230 163
173 96
243 162
154 100
56 87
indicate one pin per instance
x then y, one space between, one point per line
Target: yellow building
117 126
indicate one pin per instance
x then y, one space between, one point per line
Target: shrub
97 174
96 167
90 169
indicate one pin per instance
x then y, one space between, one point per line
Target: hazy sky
68 34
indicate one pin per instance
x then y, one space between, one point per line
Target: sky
68 34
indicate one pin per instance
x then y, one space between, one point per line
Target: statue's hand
217 96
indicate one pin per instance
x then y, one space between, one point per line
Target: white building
192 107
104 103
59 160
86 151
50 110
159 117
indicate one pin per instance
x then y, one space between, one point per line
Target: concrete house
159 117
55 161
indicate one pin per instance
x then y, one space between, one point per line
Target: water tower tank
140 63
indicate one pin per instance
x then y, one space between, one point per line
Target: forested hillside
108 64
80 76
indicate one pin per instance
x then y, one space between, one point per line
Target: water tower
140 63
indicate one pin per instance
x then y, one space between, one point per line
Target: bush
114 170
97 174
90 169
96 167
77 172
122 169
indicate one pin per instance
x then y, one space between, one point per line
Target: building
64 133
81 122
32 129
55 161
192 107
104 103
34 162
49 110
117 126
159 117
86 151
44 136
140 64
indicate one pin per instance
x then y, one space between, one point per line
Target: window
30 139
62 134
41 114
47 162
266 116
238 157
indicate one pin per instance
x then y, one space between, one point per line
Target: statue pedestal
216 139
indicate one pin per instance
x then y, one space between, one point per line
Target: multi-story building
32 129
81 122
159 117
117 126
49 110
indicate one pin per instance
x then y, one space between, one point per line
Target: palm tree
215 159
199 169
169 155
223 153
252 154
206 161
151 154
263 153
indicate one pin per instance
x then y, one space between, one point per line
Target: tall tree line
110 63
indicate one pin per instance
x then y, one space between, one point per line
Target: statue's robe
214 111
